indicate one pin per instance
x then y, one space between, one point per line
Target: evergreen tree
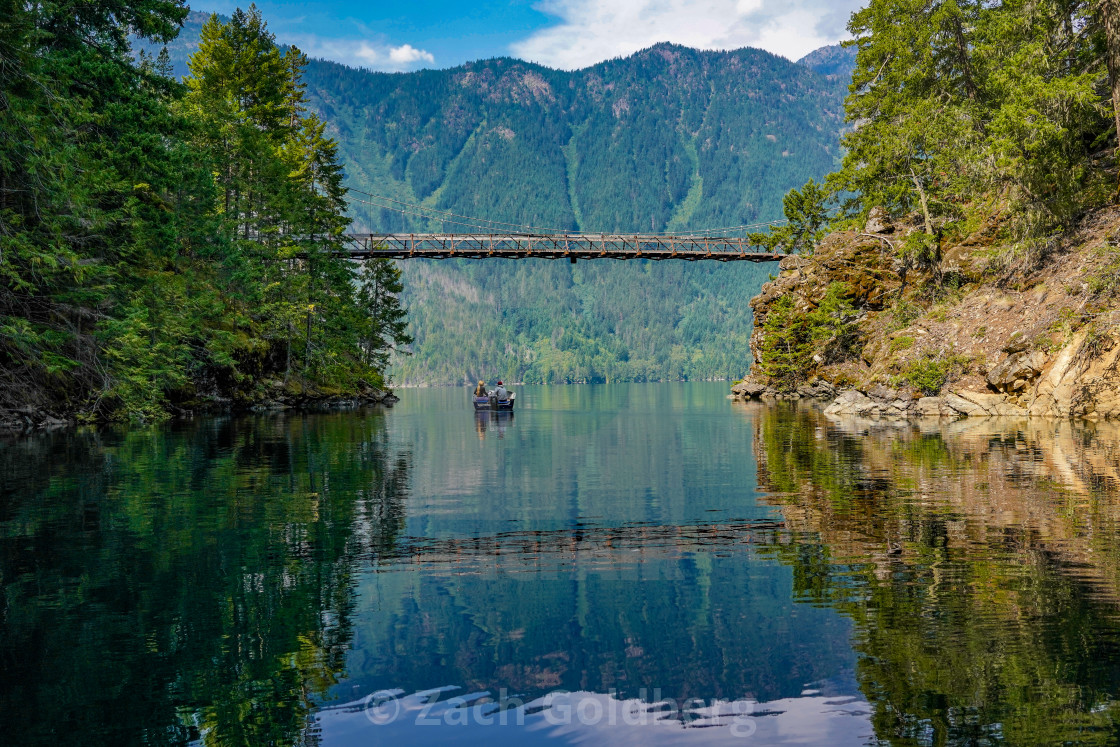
155 238
285 207
807 218
378 297
962 97
1108 17
787 346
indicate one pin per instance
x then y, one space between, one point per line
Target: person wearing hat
501 392
480 390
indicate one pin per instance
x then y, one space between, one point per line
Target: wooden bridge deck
555 246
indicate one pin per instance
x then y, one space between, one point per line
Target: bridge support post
572 259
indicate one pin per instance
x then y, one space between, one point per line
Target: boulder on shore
1019 367
749 388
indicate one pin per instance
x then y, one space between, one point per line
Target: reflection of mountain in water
692 612
979 561
219 581
611 540
167 584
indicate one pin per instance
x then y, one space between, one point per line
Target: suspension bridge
480 238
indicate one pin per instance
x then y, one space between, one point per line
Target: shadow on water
979 560
171 583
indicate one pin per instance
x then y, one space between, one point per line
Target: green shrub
920 250
833 328
902 314
786 350
901 343
929 373
1107 278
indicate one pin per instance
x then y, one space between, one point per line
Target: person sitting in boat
501 393
480 390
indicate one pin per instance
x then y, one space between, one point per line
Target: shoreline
28 421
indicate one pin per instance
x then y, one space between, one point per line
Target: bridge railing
558 246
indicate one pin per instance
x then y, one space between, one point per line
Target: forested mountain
669 139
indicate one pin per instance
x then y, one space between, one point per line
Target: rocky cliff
967 327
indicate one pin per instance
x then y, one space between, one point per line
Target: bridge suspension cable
487 225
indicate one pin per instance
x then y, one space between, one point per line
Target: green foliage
807 219
165 244
962 98
1106 278
929 373
903 342
920 250
902 314
793 343
379 289
833 325
786 350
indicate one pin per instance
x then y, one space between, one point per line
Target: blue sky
569 34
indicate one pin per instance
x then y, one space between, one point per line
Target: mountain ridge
668 138
183 45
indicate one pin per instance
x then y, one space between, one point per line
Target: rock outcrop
1016 372
878 221
956 338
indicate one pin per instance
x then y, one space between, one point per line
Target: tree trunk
963 59
924 201
1110 19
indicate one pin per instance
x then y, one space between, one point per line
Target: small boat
492 403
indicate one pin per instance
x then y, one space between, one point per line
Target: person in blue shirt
501 392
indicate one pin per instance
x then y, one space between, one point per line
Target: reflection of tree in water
979 562
166 585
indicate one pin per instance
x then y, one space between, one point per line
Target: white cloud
361 52
408 55
590 31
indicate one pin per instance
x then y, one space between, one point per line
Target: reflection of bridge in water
556 246
596 546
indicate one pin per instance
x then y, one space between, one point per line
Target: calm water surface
621 564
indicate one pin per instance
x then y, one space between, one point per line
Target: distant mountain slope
834 62
668 139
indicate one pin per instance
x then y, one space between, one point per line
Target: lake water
618 564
